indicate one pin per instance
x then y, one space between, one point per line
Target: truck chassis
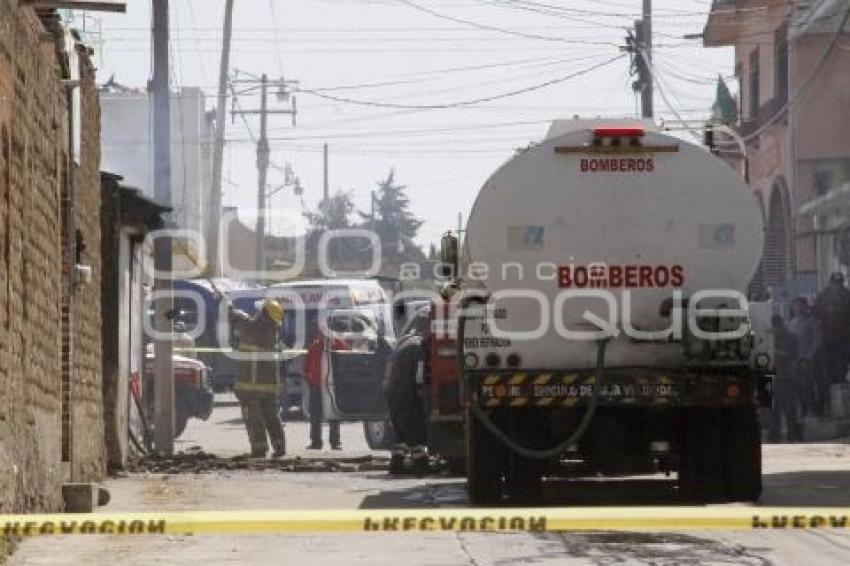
703 420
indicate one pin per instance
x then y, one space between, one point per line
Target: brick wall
87 391
33 150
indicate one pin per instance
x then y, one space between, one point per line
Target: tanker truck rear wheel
524 476
743 461
484 464
721 455
701 467
524 479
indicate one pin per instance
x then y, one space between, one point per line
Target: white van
353 380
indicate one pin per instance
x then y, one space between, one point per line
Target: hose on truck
577 433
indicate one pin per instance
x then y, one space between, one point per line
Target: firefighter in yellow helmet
257 383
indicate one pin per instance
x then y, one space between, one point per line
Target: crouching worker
405 393
257 384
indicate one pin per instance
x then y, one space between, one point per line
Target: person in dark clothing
784 384
313 368
832 307
405 393
806 329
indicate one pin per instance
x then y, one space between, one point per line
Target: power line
657 13
506 31
320 92
793 99
692 78
533 62
378 50
417 131
543 9
392 150
395 39
418 77
498 80
335 31
383 104
201 62
568 14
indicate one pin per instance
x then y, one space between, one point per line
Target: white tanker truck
602 315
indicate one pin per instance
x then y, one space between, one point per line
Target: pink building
793 70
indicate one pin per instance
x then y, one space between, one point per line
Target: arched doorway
758 290
778 256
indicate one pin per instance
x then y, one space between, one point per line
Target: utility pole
372 209
164 305
326 192
214 229
262 172
646 55
263 150
639 45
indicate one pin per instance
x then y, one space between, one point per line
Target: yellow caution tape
489 520
290 353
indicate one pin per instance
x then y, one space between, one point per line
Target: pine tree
333 213
394 224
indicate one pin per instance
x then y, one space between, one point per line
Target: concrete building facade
794 114
127 138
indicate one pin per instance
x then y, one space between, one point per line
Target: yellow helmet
273 310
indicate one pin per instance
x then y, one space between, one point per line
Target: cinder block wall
33 150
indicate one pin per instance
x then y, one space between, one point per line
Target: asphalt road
802 474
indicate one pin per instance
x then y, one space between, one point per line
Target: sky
441 91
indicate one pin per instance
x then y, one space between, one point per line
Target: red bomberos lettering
629 276
617 165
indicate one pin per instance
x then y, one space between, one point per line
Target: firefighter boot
419 457
278 447
398 453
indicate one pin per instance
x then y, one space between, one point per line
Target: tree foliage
393 222
333 213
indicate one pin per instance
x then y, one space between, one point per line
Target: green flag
725 107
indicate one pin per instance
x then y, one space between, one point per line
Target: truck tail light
619 132
617 140
187 375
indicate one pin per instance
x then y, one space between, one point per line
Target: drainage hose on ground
575 436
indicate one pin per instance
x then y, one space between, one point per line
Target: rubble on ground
196 461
